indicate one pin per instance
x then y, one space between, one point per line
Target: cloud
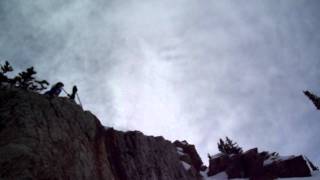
184 69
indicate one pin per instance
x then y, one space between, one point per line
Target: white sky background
194 70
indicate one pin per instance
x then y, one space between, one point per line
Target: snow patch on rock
216 156
315 176
185 165
275 158
180 151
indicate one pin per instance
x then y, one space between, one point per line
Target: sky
184 69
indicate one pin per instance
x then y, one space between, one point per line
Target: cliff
44 138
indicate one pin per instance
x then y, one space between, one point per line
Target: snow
106 127
184 142
272 159
224 176
267 162
220 176
283 158
180 151
204 173
186 165
216 156
315 176
307 162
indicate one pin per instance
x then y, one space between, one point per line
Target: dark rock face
293 167
42 139
135 156
254 165
54 139
218 164
192 156
235 168
189 155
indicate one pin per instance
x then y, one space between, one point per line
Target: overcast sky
194 70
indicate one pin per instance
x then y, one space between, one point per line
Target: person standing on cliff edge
74 92
73 95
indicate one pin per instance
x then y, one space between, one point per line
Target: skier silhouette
55 90
74 92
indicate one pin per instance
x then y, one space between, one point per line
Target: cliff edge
53 138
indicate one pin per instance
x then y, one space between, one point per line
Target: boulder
190 151
291 167
235 167
260 166
218 164
252 163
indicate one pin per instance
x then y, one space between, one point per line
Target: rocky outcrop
291 167
189 156
254 165
54 139
44 138
135 156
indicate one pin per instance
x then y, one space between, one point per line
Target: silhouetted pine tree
4 69
24 79
227 146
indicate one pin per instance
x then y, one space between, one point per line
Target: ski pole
79 100
65 91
